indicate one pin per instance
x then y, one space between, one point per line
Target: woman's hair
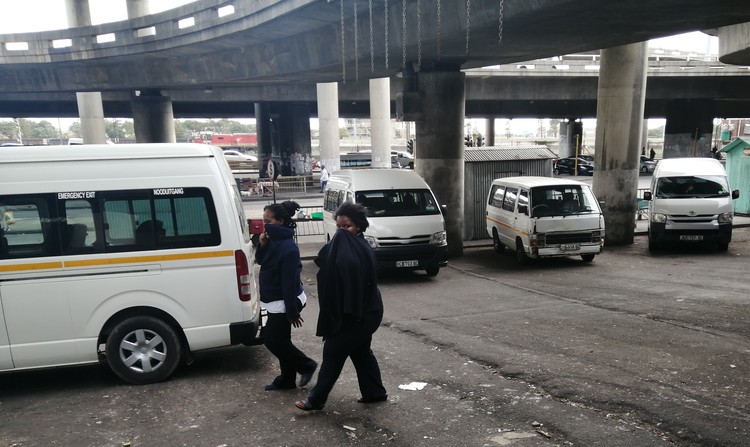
354 211
284 212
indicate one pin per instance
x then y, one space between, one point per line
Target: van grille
699 218
421 239
567 238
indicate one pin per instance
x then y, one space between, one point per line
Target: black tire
644 169
521 257
588 257
432 271
652 245
143 350
411 165
496 244
556 171
723 246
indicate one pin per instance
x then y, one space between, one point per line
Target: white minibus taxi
690 201
134 255
540 217
407 230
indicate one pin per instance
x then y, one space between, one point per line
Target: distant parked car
238 156
647 165
568 165
404 158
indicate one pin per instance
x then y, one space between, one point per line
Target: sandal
305 405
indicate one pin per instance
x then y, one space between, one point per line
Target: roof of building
508 153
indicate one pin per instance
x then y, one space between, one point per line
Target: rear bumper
246 332
427 256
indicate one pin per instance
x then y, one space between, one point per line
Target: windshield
401 202
562 200
687 187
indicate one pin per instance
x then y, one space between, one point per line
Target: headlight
726 217
438 238
373 241
659 218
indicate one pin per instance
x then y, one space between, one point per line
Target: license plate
570 247
411 263
691 237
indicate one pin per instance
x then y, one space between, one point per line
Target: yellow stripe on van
515 230
33 266
146 259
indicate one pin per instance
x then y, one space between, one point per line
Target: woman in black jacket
282 295
351 309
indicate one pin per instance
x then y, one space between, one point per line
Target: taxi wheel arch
521 257
496 244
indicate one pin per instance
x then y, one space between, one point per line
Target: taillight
243 275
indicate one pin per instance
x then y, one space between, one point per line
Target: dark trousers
354 342
277 336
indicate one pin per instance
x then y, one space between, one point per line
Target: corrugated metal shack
482 165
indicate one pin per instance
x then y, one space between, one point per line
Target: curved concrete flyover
281 42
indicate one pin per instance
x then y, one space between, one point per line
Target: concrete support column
569 138
328 115
91 113
264 128
78 13
153 119
689 128
440 138
489 139
619 116
293 126
380 122
137 8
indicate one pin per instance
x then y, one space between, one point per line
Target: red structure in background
223 140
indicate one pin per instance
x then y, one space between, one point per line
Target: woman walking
282 295
351 309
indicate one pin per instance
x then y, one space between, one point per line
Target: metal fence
309 221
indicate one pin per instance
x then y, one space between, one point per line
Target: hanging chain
499 23
372 45
438 29
403 34
468 24
419 36
343 52
385 14
356 44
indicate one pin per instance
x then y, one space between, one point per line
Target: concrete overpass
282 43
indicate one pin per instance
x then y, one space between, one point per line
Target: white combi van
690 201
136 255
540 217
406 229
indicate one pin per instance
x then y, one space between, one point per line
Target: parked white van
690 202
136 255
540 217
406 229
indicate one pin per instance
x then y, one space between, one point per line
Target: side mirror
647 195
523 209
443 209
736 194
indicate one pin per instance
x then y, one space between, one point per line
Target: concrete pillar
153 119
689 128
328 116
264 128
293 130
78 13
91 114
569 138
440 140
489 139
137 8
619 116
380 122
